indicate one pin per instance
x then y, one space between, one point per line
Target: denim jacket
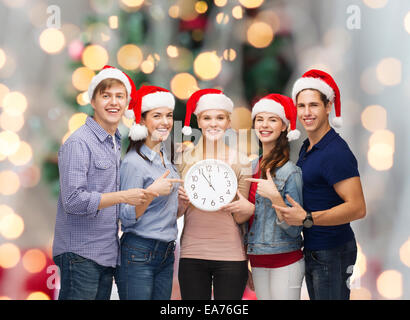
268 235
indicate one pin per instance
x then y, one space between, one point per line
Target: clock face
210 184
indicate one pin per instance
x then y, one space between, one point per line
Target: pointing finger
253 180
292 201
166 173
176 180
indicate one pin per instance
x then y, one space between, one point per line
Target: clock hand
210 184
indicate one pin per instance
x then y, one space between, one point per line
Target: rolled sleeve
73 168
293 187
130 179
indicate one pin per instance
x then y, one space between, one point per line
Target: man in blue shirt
86 243
332 191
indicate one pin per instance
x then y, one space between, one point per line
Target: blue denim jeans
82 278
146 270
327 272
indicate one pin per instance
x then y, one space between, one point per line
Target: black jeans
197 277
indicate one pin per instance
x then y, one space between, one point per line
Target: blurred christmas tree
242 47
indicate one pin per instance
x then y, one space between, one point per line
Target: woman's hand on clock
163 185
241 209
266 187
183 201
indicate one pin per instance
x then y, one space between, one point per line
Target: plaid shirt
89 166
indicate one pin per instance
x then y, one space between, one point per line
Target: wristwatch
308 222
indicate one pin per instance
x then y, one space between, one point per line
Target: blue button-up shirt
89 164
328 162
159 220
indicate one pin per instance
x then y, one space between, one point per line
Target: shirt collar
329 136
99 131
151 154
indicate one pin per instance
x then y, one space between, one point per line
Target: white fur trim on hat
138 132
293 135
187 131
156 100
109 73
212 101
269 105
312 83
337 122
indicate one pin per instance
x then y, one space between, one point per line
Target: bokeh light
76 121
38 295
237 12
9 142
183 85
374 118
12 226
34 260
260 34
14 103
2 58
251 4
375 4
23 155
9 182
389 71
9 255
229 54
95 57
381 150
30 176
11 123
113 22
132 3
81 78
207 65
390 284
52 40
201 7
129 56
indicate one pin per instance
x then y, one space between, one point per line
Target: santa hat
323 82
108 72
205 99
146 99
282 106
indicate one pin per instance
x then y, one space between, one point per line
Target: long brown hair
277 157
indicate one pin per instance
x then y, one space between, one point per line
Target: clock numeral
221 199
203 200
212 203
192 187
194 178
209 168
228 183
195 196
226 175
228 192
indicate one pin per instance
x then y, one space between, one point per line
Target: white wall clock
210 184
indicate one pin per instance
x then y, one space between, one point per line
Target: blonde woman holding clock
212 254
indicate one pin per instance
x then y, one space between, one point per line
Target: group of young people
277 201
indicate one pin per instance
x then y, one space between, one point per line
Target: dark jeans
83 279
327 272
147 268
197 277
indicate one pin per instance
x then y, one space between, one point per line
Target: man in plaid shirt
86 244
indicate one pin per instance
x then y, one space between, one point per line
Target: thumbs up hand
163 185
266 187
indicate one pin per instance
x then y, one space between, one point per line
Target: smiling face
109 105
159 122
312 111
268 127
213 123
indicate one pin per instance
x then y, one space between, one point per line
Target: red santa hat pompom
323 82
283 107
205 99
146 99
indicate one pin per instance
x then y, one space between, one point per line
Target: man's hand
294 215
138 197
